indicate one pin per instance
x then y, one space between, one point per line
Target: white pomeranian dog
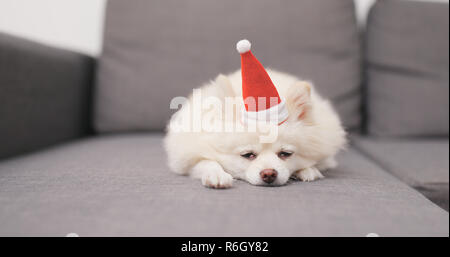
209 139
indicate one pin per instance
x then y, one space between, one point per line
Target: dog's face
270 164
297 145
265 164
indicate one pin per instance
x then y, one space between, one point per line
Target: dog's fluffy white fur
306 143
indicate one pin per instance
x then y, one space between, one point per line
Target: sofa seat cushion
421 163
119 185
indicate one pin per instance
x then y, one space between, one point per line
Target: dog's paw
309 174
216 179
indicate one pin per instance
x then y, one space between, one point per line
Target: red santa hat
261 98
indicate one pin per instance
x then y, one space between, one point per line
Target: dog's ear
299 101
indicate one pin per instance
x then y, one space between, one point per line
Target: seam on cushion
345 96
406 71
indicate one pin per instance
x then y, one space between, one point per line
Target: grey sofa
81 138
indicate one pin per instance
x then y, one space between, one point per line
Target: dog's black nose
268 175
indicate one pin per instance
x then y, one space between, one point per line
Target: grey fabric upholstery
157 50
45 95
120 185
422 163
408 62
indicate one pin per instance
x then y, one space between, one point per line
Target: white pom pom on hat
243 46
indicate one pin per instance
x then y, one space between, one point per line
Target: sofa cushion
422 163
408 62
156 50
120 186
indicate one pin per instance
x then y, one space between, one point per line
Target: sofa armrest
45 95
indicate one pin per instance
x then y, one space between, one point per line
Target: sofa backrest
407 55
156 50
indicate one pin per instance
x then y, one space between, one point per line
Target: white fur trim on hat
243 46
275 114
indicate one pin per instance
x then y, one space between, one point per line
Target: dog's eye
249 155
284 155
